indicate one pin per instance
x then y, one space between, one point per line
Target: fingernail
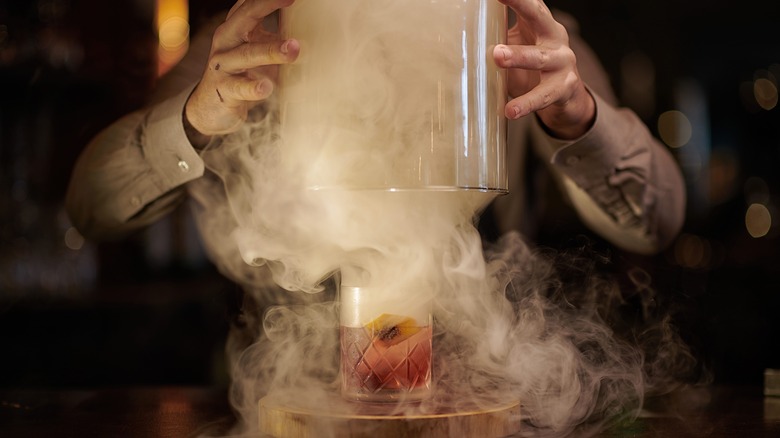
515 112
505 52
290 47
264 87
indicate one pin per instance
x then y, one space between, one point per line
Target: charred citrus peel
391 329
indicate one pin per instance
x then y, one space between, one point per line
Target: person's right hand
242 66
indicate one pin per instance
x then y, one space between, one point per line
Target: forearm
133 172
623 183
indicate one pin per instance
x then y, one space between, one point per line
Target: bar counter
179 412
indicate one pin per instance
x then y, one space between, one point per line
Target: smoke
511 322
295 206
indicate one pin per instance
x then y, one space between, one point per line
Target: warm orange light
173 32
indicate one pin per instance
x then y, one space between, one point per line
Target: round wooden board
336 418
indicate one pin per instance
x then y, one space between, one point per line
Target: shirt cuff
592 158
607 162
166 147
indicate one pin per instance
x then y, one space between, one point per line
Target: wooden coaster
338 418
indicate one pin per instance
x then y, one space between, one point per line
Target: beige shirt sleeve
623 183
134 171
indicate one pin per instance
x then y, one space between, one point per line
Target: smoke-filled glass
404 92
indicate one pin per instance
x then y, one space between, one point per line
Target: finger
535 14
251 55
242 21
235 90
234 8
538 98
530 9
537 57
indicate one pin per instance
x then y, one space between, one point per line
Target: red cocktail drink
386 363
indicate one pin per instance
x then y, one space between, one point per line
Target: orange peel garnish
391 329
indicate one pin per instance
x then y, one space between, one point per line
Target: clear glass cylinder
403 92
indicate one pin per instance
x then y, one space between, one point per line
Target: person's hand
542 74
242 65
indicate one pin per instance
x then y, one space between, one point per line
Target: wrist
197 139
571 120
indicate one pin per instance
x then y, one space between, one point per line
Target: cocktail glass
385 356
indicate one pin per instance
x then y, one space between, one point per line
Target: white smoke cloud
508 324
302 205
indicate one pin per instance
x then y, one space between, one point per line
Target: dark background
150 309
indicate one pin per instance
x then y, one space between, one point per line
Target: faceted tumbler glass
385 356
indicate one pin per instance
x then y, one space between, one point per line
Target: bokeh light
73 239
637 74
756 190
674 128
3 34
173 32
761 93
758 220
723 172
765 92
693 252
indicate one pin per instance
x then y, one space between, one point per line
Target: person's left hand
542 72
